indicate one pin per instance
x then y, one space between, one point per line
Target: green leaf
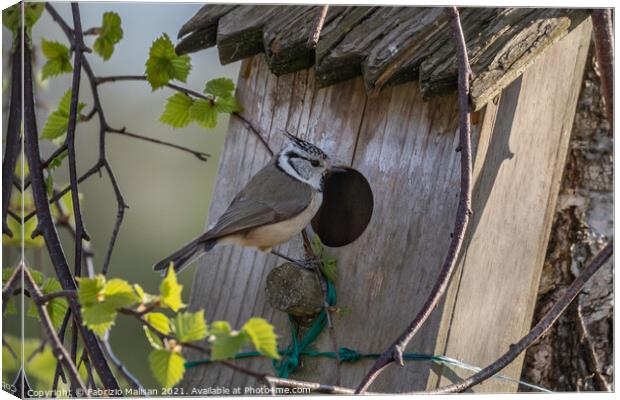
220 87
170 291
11 17
89 290
58 120
36 275
119 293
189 327
329 267
317 245
177 110
263 337
58 58
144 297
227 104
33 13
56 308
57 161
100 300
99 317
110 33
329 264
167 366
164 64
225 343
204 113
161 323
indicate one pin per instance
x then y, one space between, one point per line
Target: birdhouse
378 93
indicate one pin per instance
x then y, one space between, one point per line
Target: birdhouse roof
385 45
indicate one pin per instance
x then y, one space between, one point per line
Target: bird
277 203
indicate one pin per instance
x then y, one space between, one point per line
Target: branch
289 383
57 348
140 317
9 287
56 196
251 127
47 228
47 162
116 78
317 26
604 44
103 162
44 298
80 232
539 330
394 352
13 143
132 380
122 132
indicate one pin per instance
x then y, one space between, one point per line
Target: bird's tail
185 255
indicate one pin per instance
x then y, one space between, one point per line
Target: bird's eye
314 163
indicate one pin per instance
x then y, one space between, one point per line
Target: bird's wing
271 196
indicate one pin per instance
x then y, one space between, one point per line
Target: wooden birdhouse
379 94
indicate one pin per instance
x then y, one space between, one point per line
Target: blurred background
168 191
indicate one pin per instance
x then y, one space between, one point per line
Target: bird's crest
305 146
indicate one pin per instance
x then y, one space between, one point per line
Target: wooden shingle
385 45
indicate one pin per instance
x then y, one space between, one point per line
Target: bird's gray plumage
271 196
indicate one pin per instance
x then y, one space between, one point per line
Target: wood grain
405 147
500 45
386 45
517 173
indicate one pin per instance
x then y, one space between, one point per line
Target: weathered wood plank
285 44
499 49
387 45
240 32
405 147
442 58
508 58
202 28
517 175
230 282
346 22
396 56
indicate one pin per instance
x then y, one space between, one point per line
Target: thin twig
10 349
9 287
604 45
117 78
289 383
317 26
537 331
44 298
396 349
132 380
255 131
56 196
80 231
57 348
123 132
140 317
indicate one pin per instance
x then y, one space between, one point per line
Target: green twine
291 356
